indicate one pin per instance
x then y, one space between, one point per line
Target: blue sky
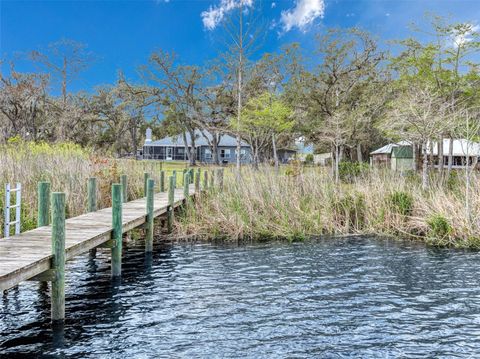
122 34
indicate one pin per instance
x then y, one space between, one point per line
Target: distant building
174 149
383 155
400 156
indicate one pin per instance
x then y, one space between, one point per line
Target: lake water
334 298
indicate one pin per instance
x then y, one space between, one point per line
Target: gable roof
177 141
387 149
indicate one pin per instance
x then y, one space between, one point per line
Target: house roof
387 149
461 147
200 140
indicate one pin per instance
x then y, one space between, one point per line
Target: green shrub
401 202
453 181
439 227
309 159
348 171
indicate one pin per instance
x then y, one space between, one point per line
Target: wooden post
124 182
197 182
149 224
220 179
171 201
58 256
191 175
92 194
162 181
92 203
186 186
43 217
174 174
205 180
212 179
146 176
117 229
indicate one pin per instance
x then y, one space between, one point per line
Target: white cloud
303 14
464 35
215 14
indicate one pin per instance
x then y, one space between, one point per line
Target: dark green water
354 298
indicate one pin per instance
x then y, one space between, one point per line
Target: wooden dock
34 254
28 254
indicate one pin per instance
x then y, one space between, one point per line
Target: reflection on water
354 297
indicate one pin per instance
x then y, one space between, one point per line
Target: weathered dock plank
30 253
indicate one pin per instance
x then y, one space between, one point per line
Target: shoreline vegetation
297 203
305 202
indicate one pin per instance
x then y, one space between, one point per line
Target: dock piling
220 179
162 181
43 217
92 204
58 256
146 176
124 182
186 186
149 224
171 201
117 229
205 180
197 181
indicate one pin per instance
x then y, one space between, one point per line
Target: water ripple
352 297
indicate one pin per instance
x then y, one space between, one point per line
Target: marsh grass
67 167
299 204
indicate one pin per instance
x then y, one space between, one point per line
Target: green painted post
191 175
174 174
117 229
162 181
124 182
92 204
184 172
149 224
146 176
58 256
43 217
205 180
171 201
186 186
197 182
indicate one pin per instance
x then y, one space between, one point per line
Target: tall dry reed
308 203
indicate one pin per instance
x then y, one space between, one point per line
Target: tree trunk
193 150
415 157
440 157
359 153
215 142
184 135
450 155
425 167
430 149
275 156
337 162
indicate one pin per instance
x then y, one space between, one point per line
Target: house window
225 153
208 153
181 150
